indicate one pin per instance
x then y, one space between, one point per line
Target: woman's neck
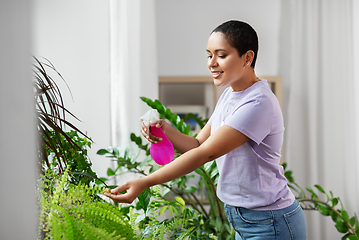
245 82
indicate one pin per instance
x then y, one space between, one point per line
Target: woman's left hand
145 130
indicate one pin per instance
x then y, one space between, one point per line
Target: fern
76 212
186 233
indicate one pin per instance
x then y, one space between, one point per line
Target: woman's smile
216 74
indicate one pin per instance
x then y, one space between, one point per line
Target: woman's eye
222 56
209 57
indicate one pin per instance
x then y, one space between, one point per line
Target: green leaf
334 202
116 153
288 175
190 189
345 216
353 237
144 99
160 108
110 172
168 114
180 201
162 210
325 210
171 209
102 152
350 236
341 227
335 216
214 173
149 102
140 218
284 165
136 139
182 182
218 223
356 224
175 119
315 196
144 199
352 221
98 182
208 166
180 126
165 191
187 129
148 152
319 188
200 172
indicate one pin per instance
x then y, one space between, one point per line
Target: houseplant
60 143
66 192
214 219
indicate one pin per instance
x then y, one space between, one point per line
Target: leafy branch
329 207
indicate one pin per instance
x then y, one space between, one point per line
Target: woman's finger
147 133
120 198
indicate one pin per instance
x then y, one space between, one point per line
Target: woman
244 135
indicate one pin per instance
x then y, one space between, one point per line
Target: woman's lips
216 74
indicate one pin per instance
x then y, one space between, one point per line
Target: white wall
18 213
75 37
183 28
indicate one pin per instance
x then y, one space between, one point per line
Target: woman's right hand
147 133
133 189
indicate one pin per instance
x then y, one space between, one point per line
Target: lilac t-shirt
250 176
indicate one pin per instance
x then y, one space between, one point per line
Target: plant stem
201 205
214 190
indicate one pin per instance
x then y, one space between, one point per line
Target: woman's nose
212 62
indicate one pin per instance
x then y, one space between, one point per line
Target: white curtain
319 106
133 65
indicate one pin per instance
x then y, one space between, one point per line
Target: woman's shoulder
261 90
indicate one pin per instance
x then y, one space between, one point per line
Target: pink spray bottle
162 152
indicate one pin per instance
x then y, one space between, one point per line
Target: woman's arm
181 142
224 140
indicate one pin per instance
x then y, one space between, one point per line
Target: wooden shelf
189 79
274 81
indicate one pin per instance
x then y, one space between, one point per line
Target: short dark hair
241 36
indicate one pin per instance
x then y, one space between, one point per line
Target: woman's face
226 66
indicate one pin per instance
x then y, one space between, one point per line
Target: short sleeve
253 118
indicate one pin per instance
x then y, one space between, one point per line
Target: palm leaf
51 114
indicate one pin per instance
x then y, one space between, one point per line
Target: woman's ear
249 56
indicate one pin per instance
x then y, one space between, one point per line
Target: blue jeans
283 224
